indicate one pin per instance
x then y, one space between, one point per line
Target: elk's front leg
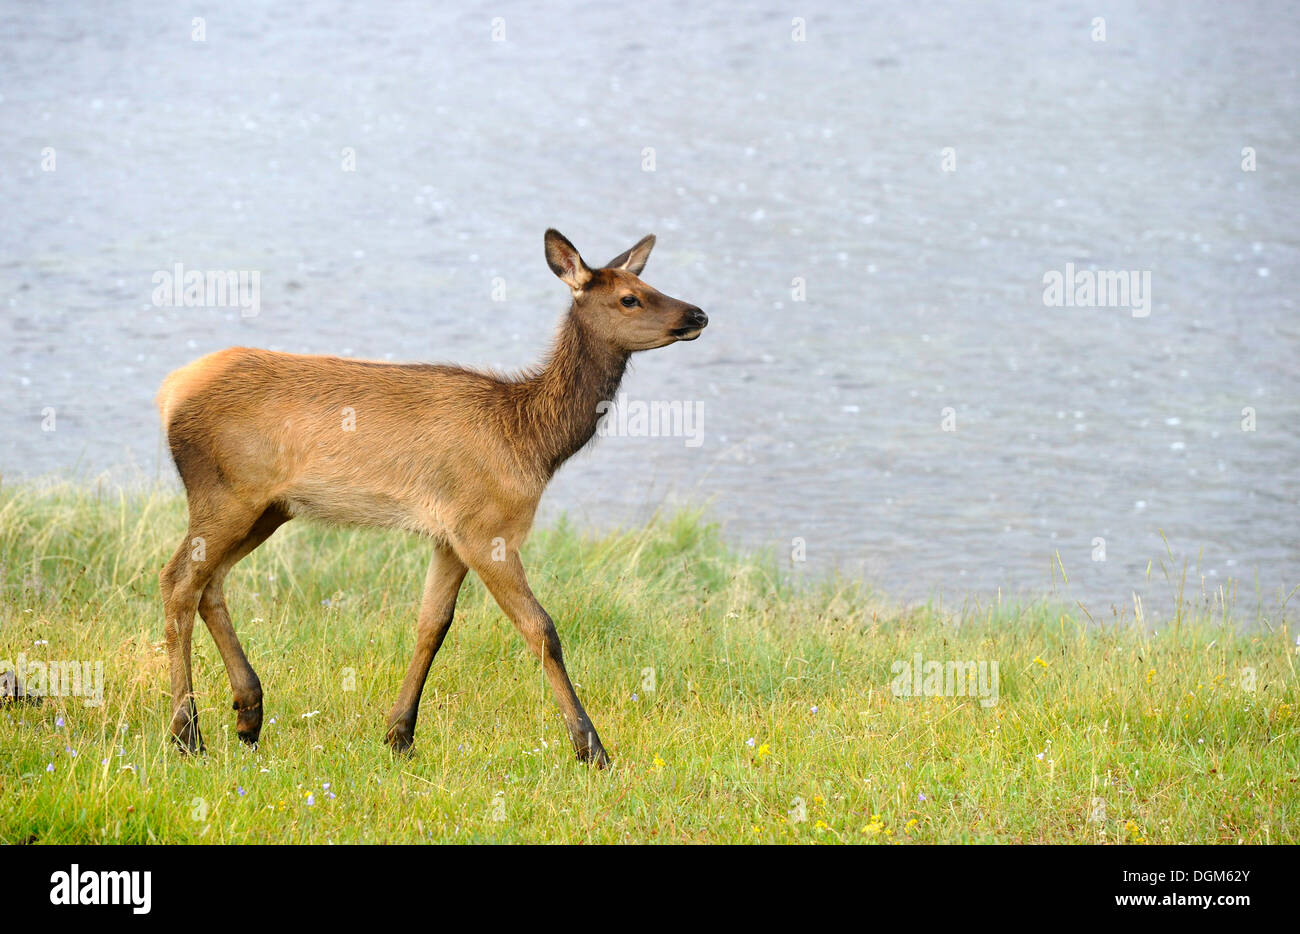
441 585
509 587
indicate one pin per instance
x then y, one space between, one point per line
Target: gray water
774 159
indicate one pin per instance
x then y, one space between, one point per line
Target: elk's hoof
594 756
400 737
248 722
188 739
185 729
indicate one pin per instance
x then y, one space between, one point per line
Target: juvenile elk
458 456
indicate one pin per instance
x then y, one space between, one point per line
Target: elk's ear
562 256
634 259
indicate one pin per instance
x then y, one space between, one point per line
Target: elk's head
616 305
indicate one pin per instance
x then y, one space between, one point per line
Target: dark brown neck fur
557 404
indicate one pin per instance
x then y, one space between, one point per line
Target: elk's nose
697 318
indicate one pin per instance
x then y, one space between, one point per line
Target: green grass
1101 733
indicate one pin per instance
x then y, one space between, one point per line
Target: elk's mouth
687 333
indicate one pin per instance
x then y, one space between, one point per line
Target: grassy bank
736 708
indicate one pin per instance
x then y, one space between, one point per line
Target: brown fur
456 455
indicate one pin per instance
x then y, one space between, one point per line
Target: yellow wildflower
876 826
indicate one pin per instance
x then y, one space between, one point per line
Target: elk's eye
629 301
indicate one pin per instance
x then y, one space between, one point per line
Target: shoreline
737 707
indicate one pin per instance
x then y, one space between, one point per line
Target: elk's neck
559 405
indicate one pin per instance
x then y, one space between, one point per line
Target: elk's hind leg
218 524
244 683
177 631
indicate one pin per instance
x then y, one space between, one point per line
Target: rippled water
774 160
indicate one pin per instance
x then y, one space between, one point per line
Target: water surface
774 160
